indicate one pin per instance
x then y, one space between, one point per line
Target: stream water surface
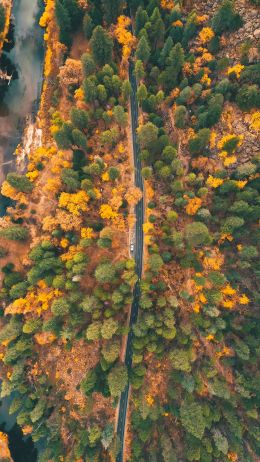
18 105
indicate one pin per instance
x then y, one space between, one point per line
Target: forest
160 219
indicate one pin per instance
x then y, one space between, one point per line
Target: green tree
79 138
180 360
197 234
139 70
60 307
166 51
79 118
2 18
141 18
105 272
147 172
111 10
141 93
147 134
192 418
89 382
15 233
143 50
93 330
113 173
172 74
109 328
70 179
126 90
226 19
20 182
180 116
155 262
111 351
117 379
64 22
88 26
88 64
248 97
157 29
90 89
120 116
102 46
200 141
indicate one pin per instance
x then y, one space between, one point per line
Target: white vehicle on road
132 247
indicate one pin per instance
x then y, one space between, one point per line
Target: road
138 254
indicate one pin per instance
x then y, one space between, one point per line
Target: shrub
15 233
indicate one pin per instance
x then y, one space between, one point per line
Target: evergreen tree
143 50
20 182
102 46
166 51
2 18
88 26
79 118
226 19
64 22
171 76
112 10
141 18
157 29
88 64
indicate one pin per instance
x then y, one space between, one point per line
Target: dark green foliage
88 26
111 10
20 182
14 233
101 46
143 50
226 19
2 18
248 97
172 74
69 17
199 143
197 234
88 64
192 418
79 118
105 272
79 139
70 178
180 116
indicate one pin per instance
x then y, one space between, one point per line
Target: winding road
138 254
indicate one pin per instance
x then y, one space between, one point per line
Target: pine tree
111 10
2 18
64 22
19 182
143 50
140 19
102 46
166 51
157 30
88 26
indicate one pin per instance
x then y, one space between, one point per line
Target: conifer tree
102 46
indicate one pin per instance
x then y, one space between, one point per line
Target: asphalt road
138 254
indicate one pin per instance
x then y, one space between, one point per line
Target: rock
257 33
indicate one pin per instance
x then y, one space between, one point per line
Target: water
23 93
18 101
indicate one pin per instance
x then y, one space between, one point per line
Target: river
19 102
